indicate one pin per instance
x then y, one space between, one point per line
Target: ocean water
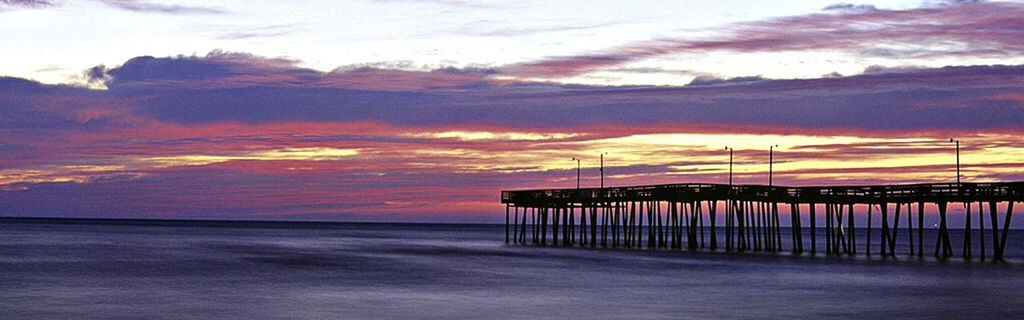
62 269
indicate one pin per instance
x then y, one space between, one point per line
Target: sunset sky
406 110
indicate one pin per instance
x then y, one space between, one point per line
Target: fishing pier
688 216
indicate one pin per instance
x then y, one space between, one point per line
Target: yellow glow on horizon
735 141
299 154
798 157
488 135
61 174
635 158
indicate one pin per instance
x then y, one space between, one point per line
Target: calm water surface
173 270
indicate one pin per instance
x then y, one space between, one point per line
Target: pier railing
935 192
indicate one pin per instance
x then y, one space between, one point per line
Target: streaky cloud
979 30
150 7
26 3
849 7
523 31
259 32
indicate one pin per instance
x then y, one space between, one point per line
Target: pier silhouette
672 217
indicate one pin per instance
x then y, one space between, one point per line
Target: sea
161 269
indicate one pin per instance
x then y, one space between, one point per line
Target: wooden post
630 217
770 226
910 227
993 212
659 232
920 229
604 225
792 228
895 230
885 228
515 226
673 212
828 229
766 234
778 227
967 232
571 226
814 225
615 224
584 238
679 207
691 226
663 216
839 234
761 228
981 229
738 208
800 228
852 234
943 239
799 234
741 224
758 225
522 229
631 227
867 248
554 224
534 225
650 226
567 225
728 225
638 235
544 227
751 226
593 225
714 215
947 245
700 220
1006 228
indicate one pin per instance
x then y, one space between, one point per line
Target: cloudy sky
405 110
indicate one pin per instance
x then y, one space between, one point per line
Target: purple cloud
243 88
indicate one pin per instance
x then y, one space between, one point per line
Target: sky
422 111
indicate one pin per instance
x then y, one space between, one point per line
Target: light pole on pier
730 167
957 141
602 169
577 171
771 161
